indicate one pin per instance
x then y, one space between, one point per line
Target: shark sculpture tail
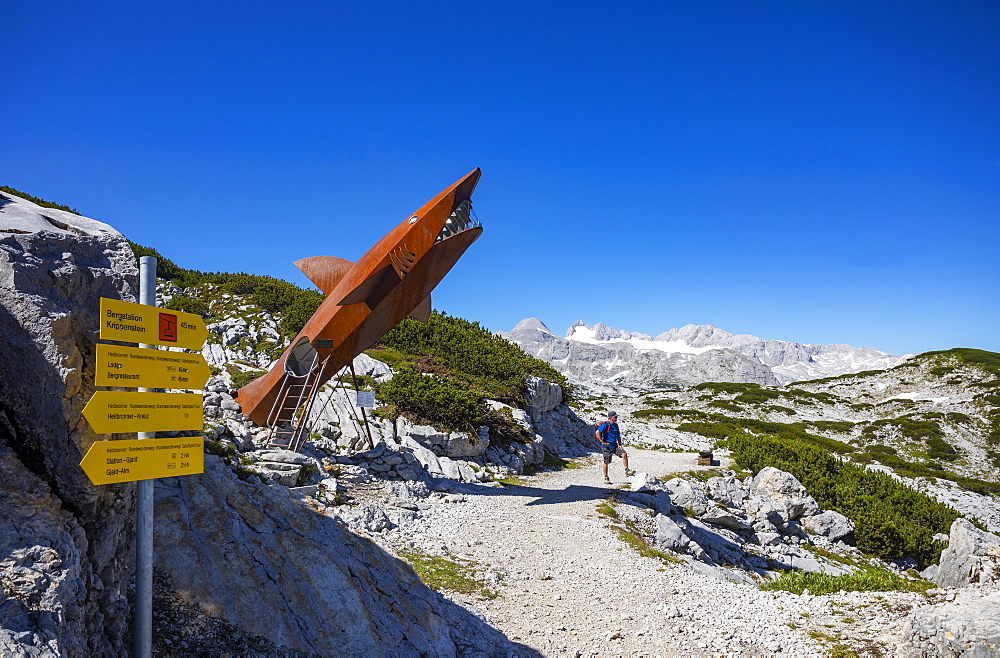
364 300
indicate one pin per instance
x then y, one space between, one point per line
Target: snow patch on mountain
601 333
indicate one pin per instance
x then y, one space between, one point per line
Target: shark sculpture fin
325 271
373 289
422 313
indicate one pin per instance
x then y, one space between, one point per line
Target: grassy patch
444 573
688 414
627 534
873 580
605 509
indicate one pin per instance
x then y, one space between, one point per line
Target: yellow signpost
139 323
110 462
135 366
113 412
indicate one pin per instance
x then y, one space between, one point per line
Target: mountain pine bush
891 520
39 202
492 365
295 305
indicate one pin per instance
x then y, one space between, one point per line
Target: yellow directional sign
138 323
111 412
136 366
108 462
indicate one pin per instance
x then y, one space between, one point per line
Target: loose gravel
569 586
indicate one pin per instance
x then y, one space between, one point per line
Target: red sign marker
168 327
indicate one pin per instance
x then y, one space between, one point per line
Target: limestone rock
321 589
968 626
718 515
65 570
669 535
785 493
542 396
728 491
972 556
444 444
685 494
829 524
645 483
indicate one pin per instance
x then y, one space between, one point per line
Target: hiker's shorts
608 453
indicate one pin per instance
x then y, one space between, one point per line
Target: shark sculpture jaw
366 299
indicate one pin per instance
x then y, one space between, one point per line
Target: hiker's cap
612 414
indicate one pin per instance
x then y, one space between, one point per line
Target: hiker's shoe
607 480
629 472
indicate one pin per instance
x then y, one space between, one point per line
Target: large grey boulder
972 556
542 396
829 524
320 589
781 491
687 495
670 536
969 626
727 490
443 444
720 516
66 554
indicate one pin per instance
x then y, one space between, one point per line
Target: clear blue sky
821 172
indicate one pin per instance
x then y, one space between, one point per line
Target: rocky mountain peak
628 356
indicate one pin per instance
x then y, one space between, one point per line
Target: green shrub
294 304
670 413
727 405
988 361
492 365
721 427
241 378
188 305
440 401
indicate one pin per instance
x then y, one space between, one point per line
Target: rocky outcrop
788 361
972 556
781 492
66 548
618 367
298 577
751 524
605 360
968 626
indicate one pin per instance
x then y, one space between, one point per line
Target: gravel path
571 587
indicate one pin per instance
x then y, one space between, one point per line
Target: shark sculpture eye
412 220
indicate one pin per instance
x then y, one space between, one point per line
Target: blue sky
821 172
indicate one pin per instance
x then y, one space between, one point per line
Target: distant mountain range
604 360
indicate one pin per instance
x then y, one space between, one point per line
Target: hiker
609 437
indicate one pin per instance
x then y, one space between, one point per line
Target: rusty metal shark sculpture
364 300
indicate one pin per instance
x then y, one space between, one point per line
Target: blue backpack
610 432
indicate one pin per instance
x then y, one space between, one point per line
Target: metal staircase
290 412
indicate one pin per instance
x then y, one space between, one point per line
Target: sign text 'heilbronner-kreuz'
149 368
113 412
139 323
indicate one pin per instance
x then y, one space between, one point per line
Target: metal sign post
144 504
